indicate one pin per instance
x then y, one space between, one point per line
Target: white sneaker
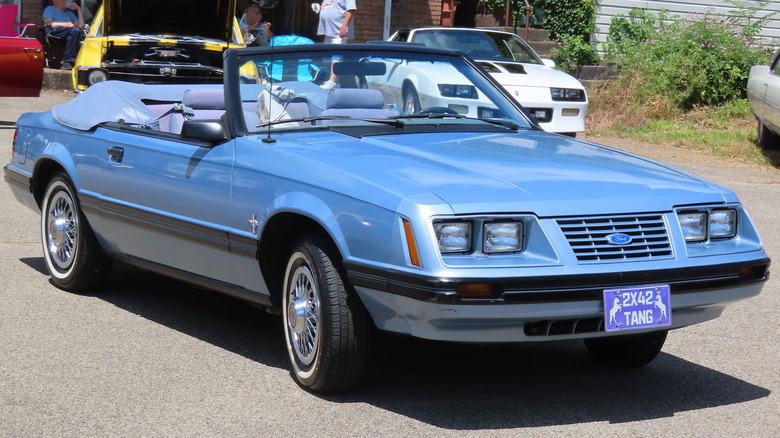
328 85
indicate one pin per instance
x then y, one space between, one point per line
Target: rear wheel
71 251
325 326
627 350
766 138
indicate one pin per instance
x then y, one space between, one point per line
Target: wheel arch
278 236
409 82
45 169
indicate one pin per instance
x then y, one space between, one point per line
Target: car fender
311 207
90 57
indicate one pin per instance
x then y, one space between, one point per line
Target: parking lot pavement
149 356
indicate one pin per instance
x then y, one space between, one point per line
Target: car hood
202 18
529 75
529 171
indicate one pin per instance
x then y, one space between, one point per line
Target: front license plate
636 308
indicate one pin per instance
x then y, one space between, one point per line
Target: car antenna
268 138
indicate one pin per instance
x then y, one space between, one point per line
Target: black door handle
116 153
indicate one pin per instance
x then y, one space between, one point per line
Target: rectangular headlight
570 94
462 91
453 236
502 237
723 224
694 225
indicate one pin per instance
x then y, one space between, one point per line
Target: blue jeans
72 37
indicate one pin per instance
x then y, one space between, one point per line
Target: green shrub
700 61
560 17
568 17
572 53
636 27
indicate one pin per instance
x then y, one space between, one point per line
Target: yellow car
159 42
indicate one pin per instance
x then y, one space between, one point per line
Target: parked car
345 214
556 99
22 62
150 41
763 92
21 58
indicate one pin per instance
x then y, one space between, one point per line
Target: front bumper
546 309
153 73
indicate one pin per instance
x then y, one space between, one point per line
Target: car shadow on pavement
220 320
474 387
447 385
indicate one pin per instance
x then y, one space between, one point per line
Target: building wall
606 9
31 12
369 20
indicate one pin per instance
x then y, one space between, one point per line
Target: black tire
766 138
627 350
411 100
326 327
71 251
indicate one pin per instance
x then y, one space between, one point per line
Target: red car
21 66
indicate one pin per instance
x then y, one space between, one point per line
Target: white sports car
556 99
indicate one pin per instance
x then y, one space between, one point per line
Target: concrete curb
57 80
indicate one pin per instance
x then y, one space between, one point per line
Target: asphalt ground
152 357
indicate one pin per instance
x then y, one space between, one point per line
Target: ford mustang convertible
347 215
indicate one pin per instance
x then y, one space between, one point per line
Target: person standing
336 19
336 23
65 20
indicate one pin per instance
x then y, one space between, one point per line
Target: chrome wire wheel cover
410 103
303 315
61 231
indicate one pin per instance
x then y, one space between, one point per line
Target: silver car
763 92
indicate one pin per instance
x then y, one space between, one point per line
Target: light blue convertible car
344 214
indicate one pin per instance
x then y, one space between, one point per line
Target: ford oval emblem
619 239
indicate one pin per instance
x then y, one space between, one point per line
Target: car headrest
205 98
355 98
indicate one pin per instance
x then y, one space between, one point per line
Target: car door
21 67
164 200
772 97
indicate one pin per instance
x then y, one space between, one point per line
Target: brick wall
31 12
403 14
414 13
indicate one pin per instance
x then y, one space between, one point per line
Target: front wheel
326 328
411 100
627 350
71 251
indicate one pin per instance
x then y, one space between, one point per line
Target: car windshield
302 90
493 46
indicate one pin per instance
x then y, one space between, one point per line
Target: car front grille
589 237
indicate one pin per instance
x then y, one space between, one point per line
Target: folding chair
8 21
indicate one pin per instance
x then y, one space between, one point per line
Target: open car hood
202 18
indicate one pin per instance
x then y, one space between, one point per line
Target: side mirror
208 130
548 62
